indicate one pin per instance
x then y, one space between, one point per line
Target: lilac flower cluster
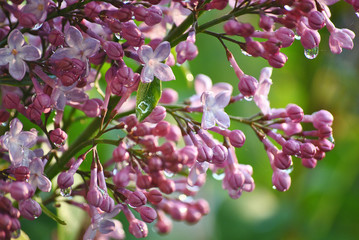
55 56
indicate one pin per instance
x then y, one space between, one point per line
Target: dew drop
37 26
311 53
297 37
3 124
168 173
245 53
66 192
274 187
289 170
118 36
35 217
16 233
288 8
249 99
193 188
331 139
218 176
357 13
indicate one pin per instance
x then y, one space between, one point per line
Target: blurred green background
322 203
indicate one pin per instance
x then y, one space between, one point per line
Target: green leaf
148 95
51 214
23 236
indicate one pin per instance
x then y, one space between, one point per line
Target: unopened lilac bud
130 121
11 100
246 30
65 180
281 180
285 35
94 197
193 215
254 48
309 162
174 133
272 45
117 87
307 150
282 161
154 196
161 129
218 4
164 225
325 145
294 112
58 136
202 206
306 5
169 96
92 9
157 115
91 108
186 50
21 173
322 118
137 199
155 164
113 50
319 155
237 138
140 13
277 60
111 74
138 228
143 181
4 115
310 39
120 154
29 209
142 130
178 211
122 177
220 154
291 147
154 16
56 37
147 214
232 27
167 186
21 190
188 154
325 132
107 204
248 85
266 22
5 223
316 20
132 34
27 20
236 179
42 101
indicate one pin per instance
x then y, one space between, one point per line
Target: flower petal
73 37
106 226
43 183
266 73
15 127
15 39
207 99
222 86
17 68
29 53
16 153
262 103
163 72
27 139
4 56
90 232
147 74
90 46
65 52
36 166
222 118
208 120
112 214
202 83
222 99
145 53
76 95
162 51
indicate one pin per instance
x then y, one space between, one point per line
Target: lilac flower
213 109
341 38
16 53
38 8
18 143
103 223
79 47
37 178
261 94
153 63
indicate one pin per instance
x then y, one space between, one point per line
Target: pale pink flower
261 95
153 66
37 178
18 143
213 109
341 38
16 53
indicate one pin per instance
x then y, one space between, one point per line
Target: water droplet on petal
289 170
3 124
311 53
35 217
66 192
218 176
288 8
331 139
297 37
274 187
118 36
250 98
168 173
37 26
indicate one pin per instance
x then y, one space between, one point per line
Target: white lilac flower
213 109
153 66
103 223
16 53
78 47
18 143
37 178
261 95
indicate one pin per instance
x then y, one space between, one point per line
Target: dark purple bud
232 27
272 45
65 180
322 118
92 9
291 147
29 209
132 34
56 37
236 179
5 222
277 60
111 74
202 206
27 20
138 228
325 132
309 162
285 35
174 133
130 121
186 50
319 155
325 145
154 16
220 154
154 196
140 13
294 112
254 48
21 190
113 50
281 180
155 164
58 136
161 129
107 204
245 30
310 39
266 22
4 115
21 173
143 181
307 150
217 4
42 101
316 20
147 214
120 154
11 100
91 108
142 130
117 87
167 186
124 14
282 161
237 138
248 85
306 5
94 197
137 199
